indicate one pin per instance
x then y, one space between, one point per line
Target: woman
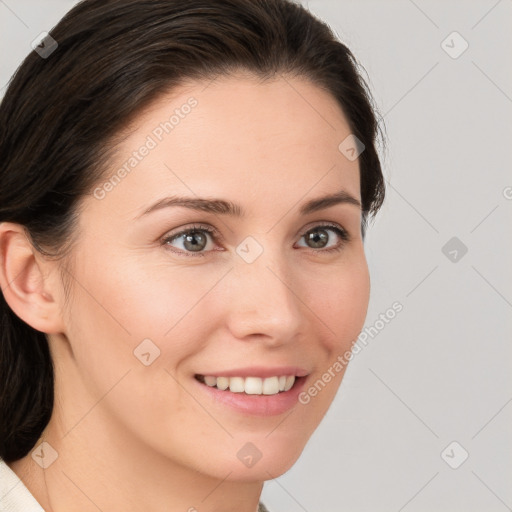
184 194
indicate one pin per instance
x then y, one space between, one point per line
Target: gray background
440 370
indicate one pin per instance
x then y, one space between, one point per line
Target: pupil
319 238
191 242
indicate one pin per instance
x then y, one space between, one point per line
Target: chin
261 460
263 470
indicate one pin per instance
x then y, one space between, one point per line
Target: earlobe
25 283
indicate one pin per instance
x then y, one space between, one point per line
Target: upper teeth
252 385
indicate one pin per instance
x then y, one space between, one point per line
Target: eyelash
343 234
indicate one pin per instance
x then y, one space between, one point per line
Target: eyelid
325 224
194 227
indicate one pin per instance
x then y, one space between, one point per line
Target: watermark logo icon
44 45
249 250
146 352
351 147
249 454
454 249
454 455
454 45
44 455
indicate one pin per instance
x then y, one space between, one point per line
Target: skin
132 437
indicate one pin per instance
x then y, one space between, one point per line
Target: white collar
14 496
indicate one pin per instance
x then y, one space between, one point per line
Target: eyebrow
224 207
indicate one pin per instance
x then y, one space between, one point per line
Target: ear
26 280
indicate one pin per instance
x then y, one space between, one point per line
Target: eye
193 240
318 237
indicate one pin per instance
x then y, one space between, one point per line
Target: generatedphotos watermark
151 142
342 360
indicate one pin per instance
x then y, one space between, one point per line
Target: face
161 299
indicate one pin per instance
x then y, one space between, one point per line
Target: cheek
118 308
133 300
130 314
340 300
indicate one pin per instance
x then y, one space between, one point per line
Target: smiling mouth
251 385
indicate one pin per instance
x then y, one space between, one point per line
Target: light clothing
14 496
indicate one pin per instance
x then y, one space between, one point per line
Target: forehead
237 134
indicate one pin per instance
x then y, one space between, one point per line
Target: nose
265 302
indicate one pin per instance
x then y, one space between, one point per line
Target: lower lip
258 405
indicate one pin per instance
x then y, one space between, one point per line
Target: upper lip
259 371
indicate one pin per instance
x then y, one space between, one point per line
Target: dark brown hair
60 115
